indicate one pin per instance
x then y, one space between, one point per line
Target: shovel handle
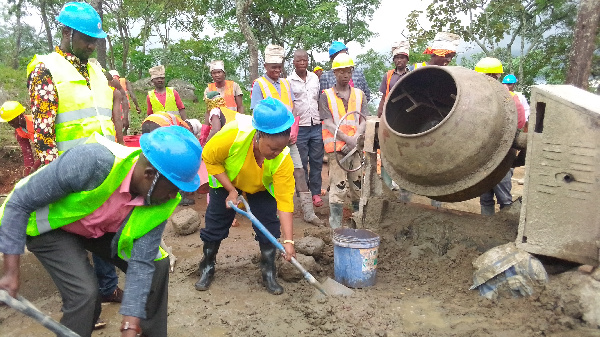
24 306
308 276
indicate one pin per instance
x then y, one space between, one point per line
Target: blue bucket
355 257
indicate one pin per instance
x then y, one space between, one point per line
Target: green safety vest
239 150
81 111
78 205
170 104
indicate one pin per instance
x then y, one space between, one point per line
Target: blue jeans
502 192
106 275
311 148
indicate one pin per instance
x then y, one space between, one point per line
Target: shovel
24 306
329 287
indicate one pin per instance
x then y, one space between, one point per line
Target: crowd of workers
87 192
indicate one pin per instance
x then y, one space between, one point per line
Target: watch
128 326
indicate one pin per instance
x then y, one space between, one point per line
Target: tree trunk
18 34
111 54
241 9
46 25
582 49
101 44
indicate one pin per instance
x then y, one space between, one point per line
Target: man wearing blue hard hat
327 80
509 82
250 155
70 99
113 201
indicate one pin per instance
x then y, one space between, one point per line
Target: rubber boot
308 210
207 265
336 212
268 252
488 210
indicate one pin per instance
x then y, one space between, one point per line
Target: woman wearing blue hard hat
110 200
250 155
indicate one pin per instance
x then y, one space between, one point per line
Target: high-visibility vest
78 205
230 115
170 103
166 119
337 109
268 90
81 110
123 82
228 94
240 148
26 132
389 79
419 65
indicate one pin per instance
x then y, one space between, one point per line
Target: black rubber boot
207 265
268 252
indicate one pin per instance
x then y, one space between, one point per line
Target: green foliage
532 38
374 65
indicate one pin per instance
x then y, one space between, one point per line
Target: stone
310 246
586 269
186 221
184 88
142 84
289 273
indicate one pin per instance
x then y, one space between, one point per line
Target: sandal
317 201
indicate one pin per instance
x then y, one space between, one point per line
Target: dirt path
424 273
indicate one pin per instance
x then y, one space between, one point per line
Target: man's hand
125 123
351 143
290 251
10 280
132 321
137 108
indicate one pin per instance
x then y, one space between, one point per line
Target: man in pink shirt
163 98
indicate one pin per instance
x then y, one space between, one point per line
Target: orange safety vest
337 109
123 82
28 132
389 79
228 93
269 90
166 119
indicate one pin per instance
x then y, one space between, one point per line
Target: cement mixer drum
446 133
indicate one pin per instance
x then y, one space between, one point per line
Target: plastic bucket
132 141
355 257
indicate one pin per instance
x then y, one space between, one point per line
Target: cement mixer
447 133
450 134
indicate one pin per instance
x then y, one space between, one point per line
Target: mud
424 274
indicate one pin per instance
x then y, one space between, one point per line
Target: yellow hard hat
317 68
342 61
489 65
10 110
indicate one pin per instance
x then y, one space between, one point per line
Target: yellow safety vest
81 110
170 104
240 149
77 206
268 90
337 109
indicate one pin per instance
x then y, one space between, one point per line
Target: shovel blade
333 288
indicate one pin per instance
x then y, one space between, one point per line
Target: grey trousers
65 257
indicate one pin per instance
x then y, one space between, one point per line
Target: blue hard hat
176 154
271 116
509 79
83 18
336 46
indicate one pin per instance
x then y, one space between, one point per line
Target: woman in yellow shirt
251 155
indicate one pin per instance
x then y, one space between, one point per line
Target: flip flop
317 201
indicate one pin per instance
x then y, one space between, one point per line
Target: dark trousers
106 274
218 217
501 191
311 148
65 256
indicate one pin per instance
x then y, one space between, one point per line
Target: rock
185 89
3 96
595 274
323 233
142 84
310 246
186 222
289 273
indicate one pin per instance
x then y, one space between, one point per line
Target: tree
241 11
584 43
511 30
